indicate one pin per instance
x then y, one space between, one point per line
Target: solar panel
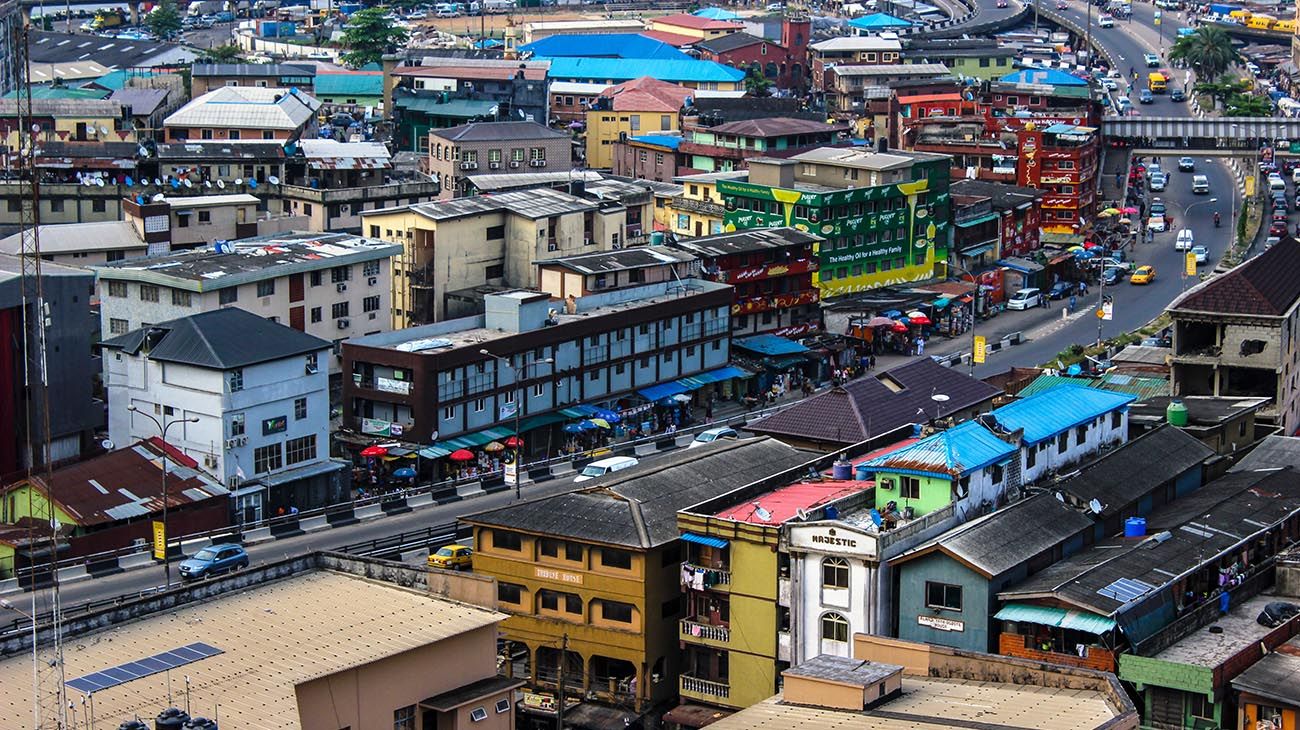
1126 589
123 673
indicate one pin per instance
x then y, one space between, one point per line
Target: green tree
369 35
223 54
1248 105
164 21
1208 51
1220 90
756 84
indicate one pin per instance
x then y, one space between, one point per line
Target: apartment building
592 273
823 56
487 148
205 77
245 112
727 146
643 106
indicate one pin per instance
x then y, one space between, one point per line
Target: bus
1157 83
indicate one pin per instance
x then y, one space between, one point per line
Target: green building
883 215
418 113
350 91
976 58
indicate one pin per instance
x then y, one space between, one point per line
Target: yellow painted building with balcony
699 209
590 578
70 120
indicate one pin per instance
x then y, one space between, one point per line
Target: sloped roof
729 42
1047 414
697 22
497 132
602 45
142 102
1047 76
252 70
676 40
646 94
775 127
638 507
876 21
1274 452
127 483
58 238
247 107
716 14
222 339
615 70
68 108
877 403
1265 286
1135 469
953 452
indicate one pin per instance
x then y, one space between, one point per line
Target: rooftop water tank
1135 527
842 469
172 718
1176 413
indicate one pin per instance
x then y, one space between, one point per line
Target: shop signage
634 410
388 385
558 575
869 253
377 427
278 424
832 539
942 624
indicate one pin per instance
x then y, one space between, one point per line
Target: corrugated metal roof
247 107
350 84
1050 616
1047 414
950 453
603 45
330 154
615 70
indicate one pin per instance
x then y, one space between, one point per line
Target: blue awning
662 390
713 376
713 542
770 345
434 452
976 221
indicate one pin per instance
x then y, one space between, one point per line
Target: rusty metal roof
329 154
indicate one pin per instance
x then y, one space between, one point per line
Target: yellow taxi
1143 275
452 557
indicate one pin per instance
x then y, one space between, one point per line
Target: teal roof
876 21
62 92
954 452
670 141
1142 387
349 84
614 70
715 14
1045 383
458 108
1084 621
1057 410
114 80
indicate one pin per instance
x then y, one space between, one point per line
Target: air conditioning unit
341 287
311 369
537 163
372 280
494 165
372 315
344 323
469 165
514 163
552 247
241 440
230 443
886 483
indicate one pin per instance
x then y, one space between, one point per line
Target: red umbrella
899 327
920 320
461 455
514 442
375 450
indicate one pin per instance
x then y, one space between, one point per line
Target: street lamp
163 427
974 295
519 405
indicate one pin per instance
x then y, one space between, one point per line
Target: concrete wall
973 616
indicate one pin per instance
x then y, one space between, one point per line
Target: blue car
214 560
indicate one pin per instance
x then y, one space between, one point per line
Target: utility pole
559 703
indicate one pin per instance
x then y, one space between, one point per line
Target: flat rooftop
784 503
534 204
940 704
1202 648
251 259
271 638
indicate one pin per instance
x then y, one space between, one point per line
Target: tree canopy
1208 51
369 35
164 21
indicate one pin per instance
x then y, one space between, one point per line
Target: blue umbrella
904 320
892 314
129 182
572 428
405 472
608 415
586 425
1084 255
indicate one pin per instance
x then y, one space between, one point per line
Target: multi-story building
512 86
453 248
90 121
883 215
330 184
291 278
729 145
597 572
1234 335
771 274
853 91
83 244
245 112
259 393
695 26
593 273
177 224
693 74
491 148
207 77
11 19
1062 159
842 51
1018 212
699 210
641 106
647 157
976 58
783 62
436 384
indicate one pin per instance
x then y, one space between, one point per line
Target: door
296 318
699 228
295 288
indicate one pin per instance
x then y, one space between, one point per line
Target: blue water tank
832 513
842 470
1135 527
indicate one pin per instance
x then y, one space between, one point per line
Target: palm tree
1248 105
1208 51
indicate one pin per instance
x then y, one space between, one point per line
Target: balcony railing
705 631
698 686
690 205
712 576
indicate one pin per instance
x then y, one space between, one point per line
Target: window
370 304
551 548
181 298
148 293
496 233
537 154
943 595
636 122
1116 418
1062 442
339 310
117 288
537 390
495 271
551 601
835 628
205 216
299 409
1199 706
503 540
315 278
267 458
266 288
229 295
616 611
621 559
1031 457
510 593
236 380
835 573
300 449
404 718
665 122
118 326
370 268
909 488
315 314
1081 433
479 405
448 413
56 205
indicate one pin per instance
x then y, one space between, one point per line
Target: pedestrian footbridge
1226 134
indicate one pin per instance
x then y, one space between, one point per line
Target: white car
1106 21
601 467
1185 240
1295 176
1156 223
1108 84
1201 253
1025 299
713 434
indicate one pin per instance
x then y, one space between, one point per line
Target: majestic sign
822 538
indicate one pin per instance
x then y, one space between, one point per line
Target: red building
1018 213
784 63
770 270
1061 159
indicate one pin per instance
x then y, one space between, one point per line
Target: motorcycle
1216 220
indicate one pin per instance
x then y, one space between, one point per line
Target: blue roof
614 71
954 452
715 14
349 84
770 345
603 45
1057 410
670 141
879 20
1047 76
114 80
662 390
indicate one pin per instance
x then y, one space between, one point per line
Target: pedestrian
920 346
1083 287
873 362
1046 300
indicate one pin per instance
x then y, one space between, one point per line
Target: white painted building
258 392
1062 426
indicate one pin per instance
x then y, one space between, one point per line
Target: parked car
1186 164
1112 275
1185 240
1025 299
1177 95
1143 275
1154 169
1062 289
452 557
602 467
1145 97
713 434
214 560
1109 84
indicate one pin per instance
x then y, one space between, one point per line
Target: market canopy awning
708 540
770 345
714 376
662 390
1083 621
977 220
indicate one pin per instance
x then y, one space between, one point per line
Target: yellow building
695 26
598 571
699 210
70 120
736 587
636 107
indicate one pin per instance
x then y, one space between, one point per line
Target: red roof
647 94
783 503
672 39
686 20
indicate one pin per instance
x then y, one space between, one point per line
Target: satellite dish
221 184
939 398
142 151
99 181
107 444
1060 497
188 184
252 183
129 182
239 181
1095 506
273 180
159 197
762 513
800 513
103 129
207 183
